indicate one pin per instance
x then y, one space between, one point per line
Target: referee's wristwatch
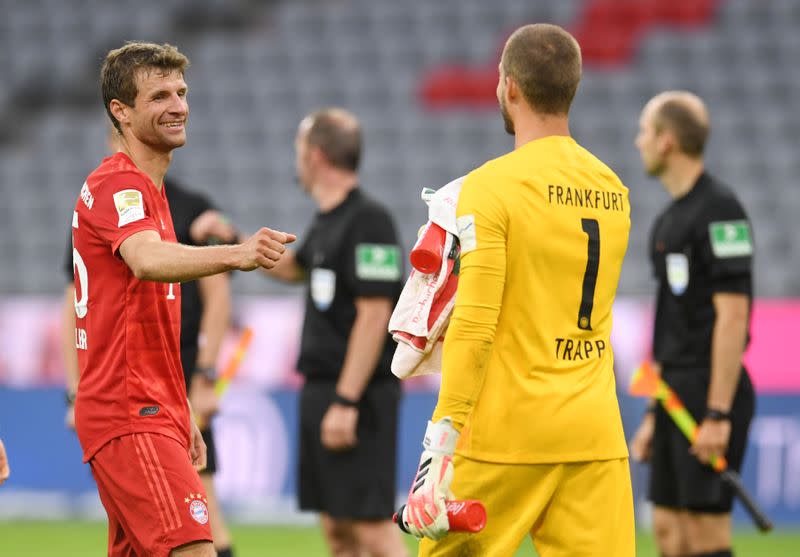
344 401
717 415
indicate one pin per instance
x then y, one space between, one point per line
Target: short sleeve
727 247
120 210
373 261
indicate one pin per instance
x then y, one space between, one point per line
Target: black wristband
650 409
717 415
69 398
344 401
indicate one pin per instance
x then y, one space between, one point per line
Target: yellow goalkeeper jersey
528 369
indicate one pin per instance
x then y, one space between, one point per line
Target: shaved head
685 115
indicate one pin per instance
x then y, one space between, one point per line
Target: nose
179 105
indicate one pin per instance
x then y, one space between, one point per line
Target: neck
151 162
332 188
681 175
530 126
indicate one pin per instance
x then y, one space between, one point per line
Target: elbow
142 271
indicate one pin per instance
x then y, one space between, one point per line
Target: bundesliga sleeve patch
466 233
379 262
130 207
730 238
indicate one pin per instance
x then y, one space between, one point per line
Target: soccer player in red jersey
131 413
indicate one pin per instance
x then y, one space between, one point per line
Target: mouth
174 125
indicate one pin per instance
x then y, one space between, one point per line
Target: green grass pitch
87 539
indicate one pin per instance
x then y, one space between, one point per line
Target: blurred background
421 76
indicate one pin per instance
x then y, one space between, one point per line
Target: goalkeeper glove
425 513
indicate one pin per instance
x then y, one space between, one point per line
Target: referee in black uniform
352 263
205 305
701 249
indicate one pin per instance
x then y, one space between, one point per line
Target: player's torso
127 330
552 363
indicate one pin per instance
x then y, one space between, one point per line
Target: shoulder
370 208
115 174
719 200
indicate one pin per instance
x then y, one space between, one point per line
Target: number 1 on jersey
592 229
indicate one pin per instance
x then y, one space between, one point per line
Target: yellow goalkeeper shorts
582 509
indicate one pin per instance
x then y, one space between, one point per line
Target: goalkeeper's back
544 231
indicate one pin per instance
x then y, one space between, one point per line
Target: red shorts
153 496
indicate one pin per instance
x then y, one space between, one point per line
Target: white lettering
171 294
86 196
80 339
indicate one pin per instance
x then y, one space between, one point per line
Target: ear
120 110
512 90
315 155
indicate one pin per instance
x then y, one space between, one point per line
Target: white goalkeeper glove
425 514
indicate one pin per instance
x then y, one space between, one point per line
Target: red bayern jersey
127 331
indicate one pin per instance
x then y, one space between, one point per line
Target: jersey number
82 305
592 229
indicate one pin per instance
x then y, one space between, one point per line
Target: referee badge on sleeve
730 238
323 288
677 272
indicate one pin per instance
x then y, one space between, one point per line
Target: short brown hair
689 128
118 74
337 133
545 62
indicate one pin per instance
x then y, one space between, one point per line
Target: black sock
227 552
720 553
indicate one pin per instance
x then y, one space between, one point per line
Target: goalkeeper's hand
425 513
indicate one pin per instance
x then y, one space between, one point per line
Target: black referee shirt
349 252
700 245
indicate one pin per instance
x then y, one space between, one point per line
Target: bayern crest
198 508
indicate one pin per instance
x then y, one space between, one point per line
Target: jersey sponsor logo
378 262
86 196
465 224
730 238
585 197
149 411
130 207
579 349
323 288
677 272
198 508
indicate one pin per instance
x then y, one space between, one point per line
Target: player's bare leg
707 532
669 532
340 536
380 538
194 549
219 529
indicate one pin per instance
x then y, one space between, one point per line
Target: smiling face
160 110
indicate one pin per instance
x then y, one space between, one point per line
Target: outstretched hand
263 249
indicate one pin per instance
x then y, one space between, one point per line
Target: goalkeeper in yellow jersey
527 419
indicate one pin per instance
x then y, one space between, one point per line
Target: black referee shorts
358 483
211 450
678 480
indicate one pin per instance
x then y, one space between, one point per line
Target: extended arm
152 259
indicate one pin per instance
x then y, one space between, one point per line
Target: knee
341 539
380 539
670 538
